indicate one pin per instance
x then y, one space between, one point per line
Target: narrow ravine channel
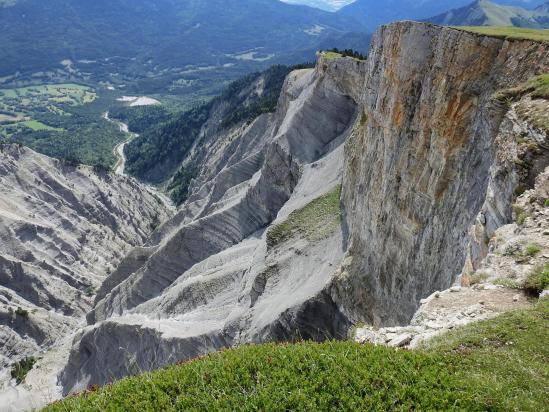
120 167
119 150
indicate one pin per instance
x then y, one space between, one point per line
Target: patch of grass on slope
516 33
314 221
540 84
504 362
499 364
329 55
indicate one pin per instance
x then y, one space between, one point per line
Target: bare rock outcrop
212 280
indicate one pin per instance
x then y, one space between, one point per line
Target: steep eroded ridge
211 281
63 229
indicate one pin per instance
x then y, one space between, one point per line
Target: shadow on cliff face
318 319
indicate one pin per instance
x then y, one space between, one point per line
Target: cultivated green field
38 126
19 107
61 120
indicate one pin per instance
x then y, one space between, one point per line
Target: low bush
537 279
22 312
20 369
532 250
478 277
89 291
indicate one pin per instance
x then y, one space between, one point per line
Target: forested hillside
158 152
38 35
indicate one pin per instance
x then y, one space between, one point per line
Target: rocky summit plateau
385 200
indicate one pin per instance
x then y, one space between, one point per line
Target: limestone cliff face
417 166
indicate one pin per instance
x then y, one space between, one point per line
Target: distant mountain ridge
373 13
487 13
37 35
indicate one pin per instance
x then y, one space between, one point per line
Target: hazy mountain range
486 13
163 34
372 13
38 35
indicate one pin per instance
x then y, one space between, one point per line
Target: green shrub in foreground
538 279
498 364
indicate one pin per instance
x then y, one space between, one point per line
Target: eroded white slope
63 229
212 281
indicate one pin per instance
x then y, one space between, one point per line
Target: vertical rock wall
417 165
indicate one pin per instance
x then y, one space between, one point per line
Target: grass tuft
508 283
521 218
537 279
478 277
331 55
532 250
315 221
540 84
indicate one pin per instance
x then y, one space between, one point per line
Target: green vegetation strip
538 86
499 364
332 55
314 221
38 126
512 33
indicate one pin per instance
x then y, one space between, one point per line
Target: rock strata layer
417 168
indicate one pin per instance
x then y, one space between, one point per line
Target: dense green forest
166 143
140 118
